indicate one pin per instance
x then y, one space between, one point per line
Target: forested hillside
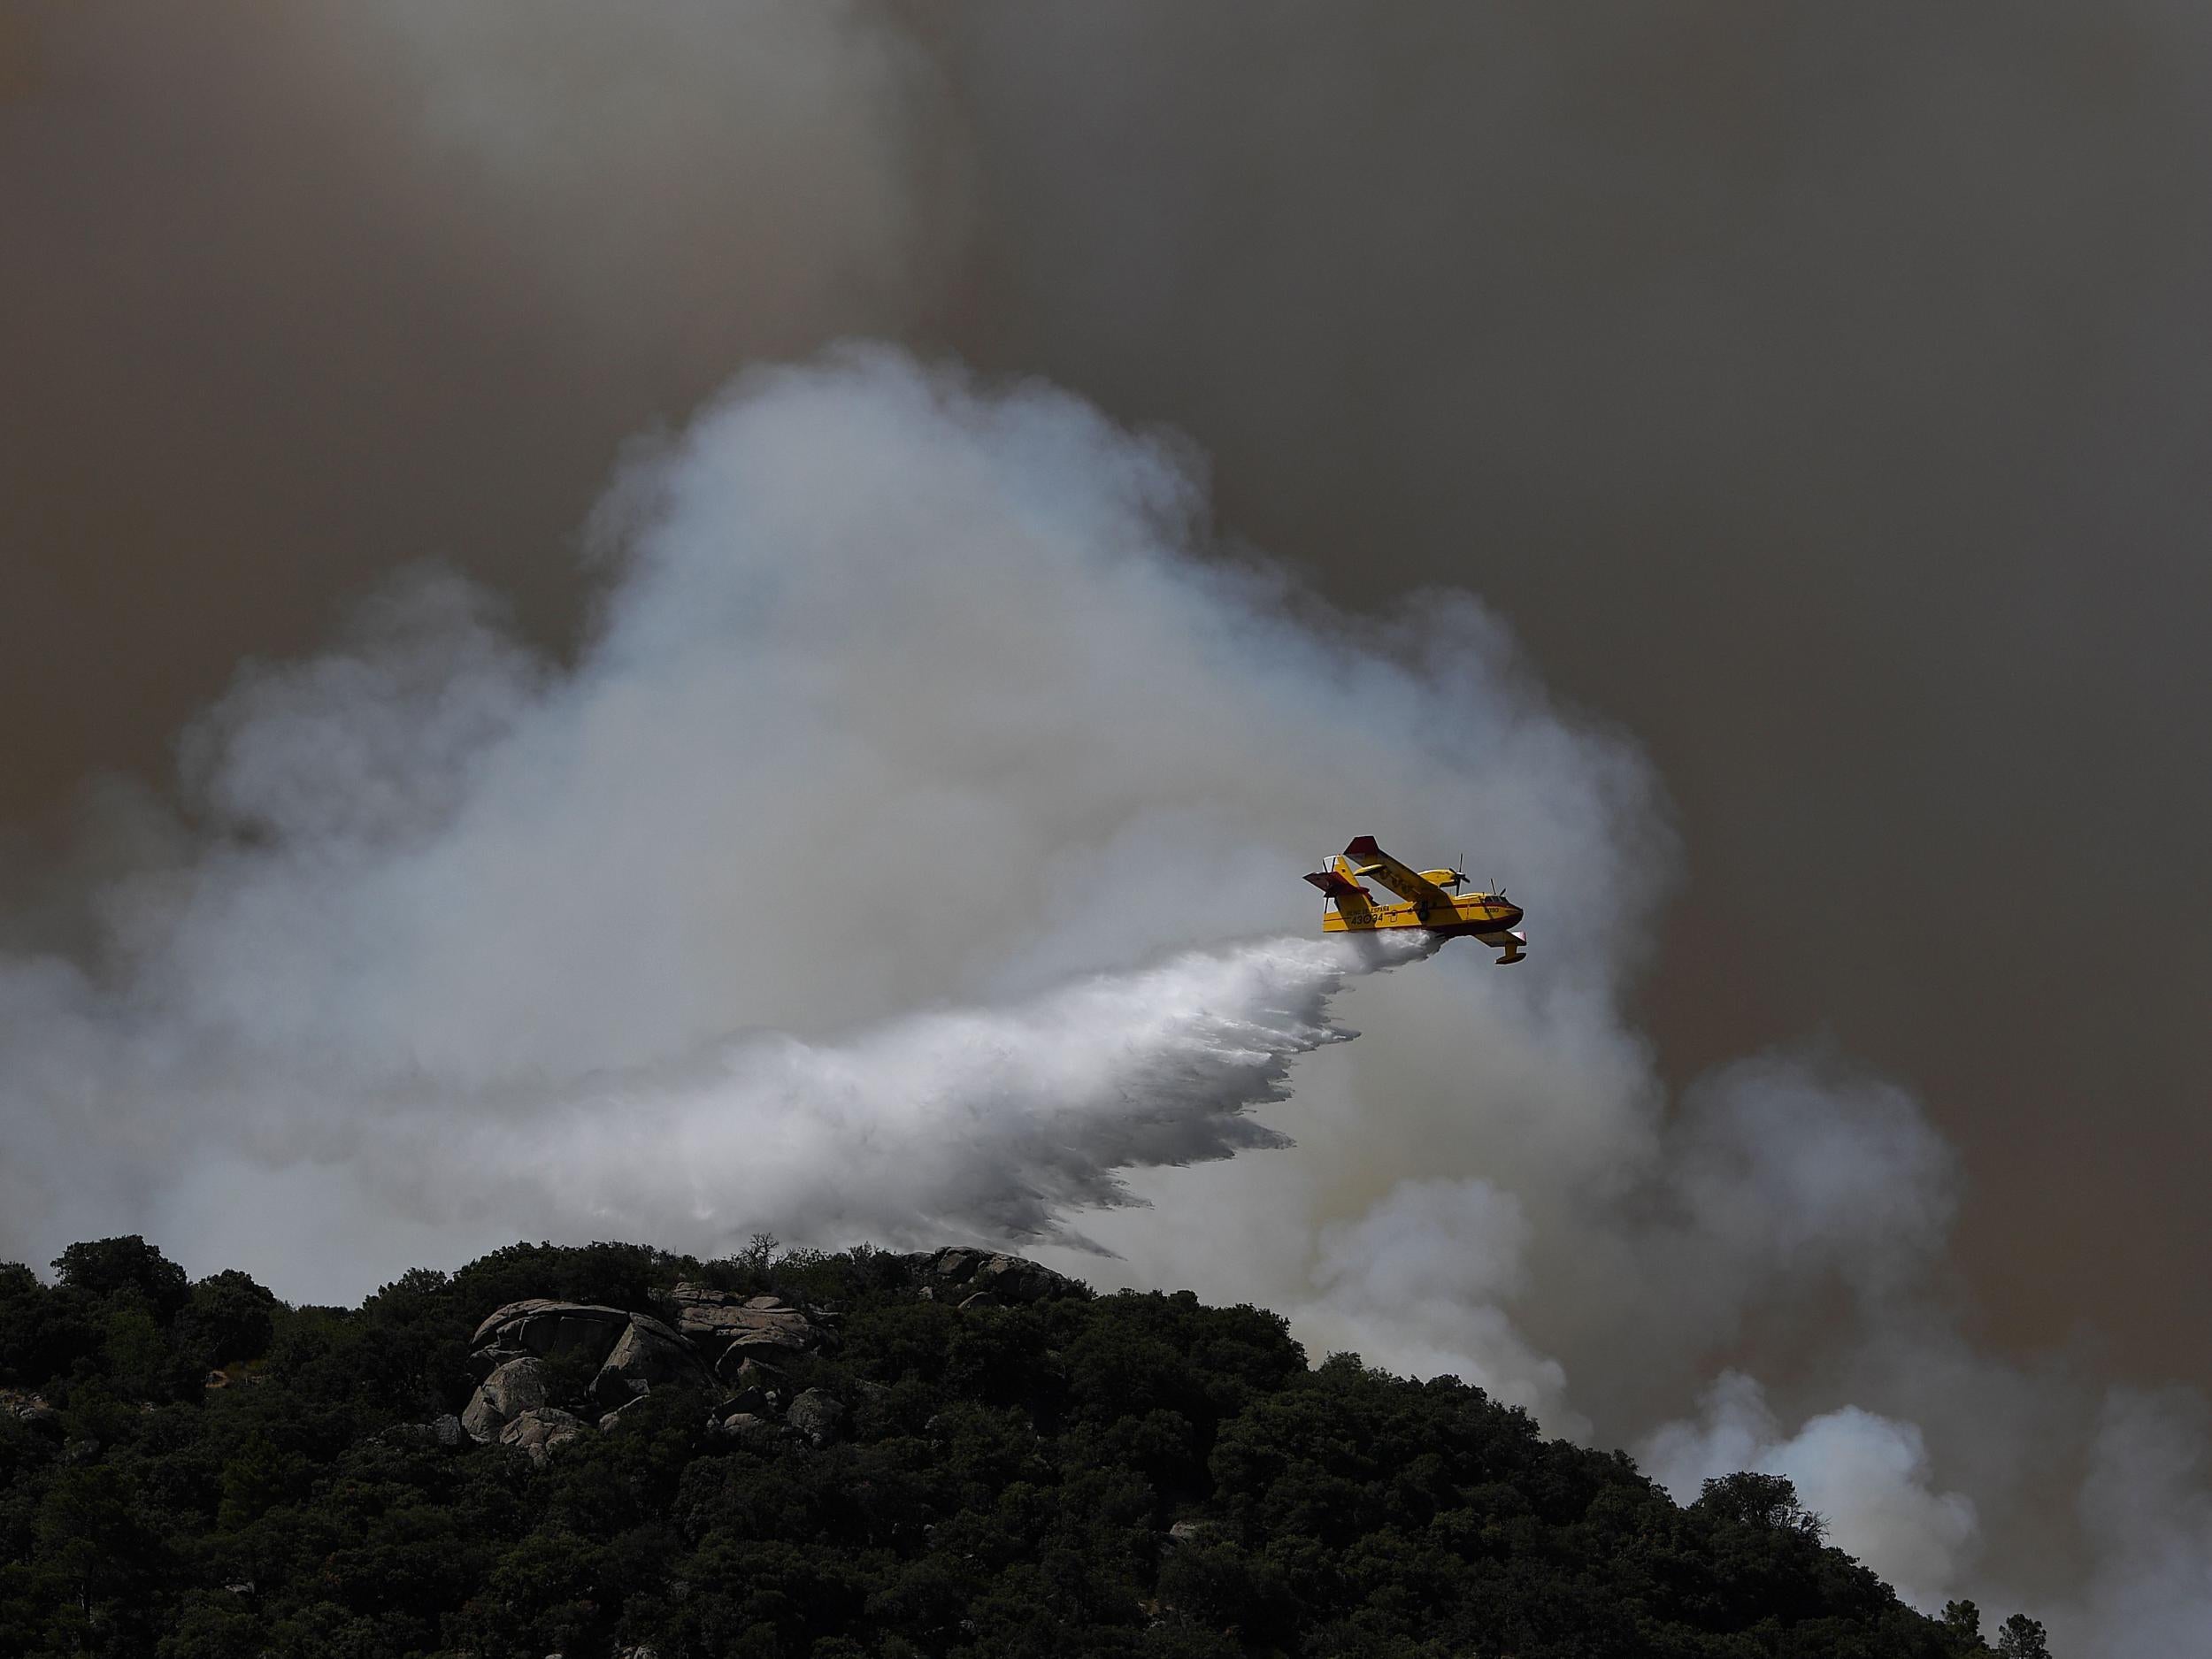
612 1450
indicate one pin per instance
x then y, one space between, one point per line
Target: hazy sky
1821 396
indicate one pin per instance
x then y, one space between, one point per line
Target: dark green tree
228 1317
42 1333
1962 1622
1132 1474
2023 1638
1758 1499
106 1267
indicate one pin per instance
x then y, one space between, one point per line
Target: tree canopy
199 1470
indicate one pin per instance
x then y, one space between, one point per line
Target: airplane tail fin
1352 900
1362 855
1333 882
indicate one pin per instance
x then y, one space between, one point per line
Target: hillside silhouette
611 1450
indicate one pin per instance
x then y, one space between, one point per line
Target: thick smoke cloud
1822 391
1768 370
297 295
911 696
907 695
1816 391
2147 1511
1866 1476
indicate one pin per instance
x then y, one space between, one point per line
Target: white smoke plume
1418 1283
1867 1475
2146 1514
866 874
909 698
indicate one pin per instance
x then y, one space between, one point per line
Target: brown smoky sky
1825 394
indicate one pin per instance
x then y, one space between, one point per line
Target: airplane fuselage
1467 913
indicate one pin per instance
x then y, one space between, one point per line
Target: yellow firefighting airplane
1350 908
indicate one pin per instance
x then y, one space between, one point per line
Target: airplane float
1351 908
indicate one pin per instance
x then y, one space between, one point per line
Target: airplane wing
1370 860
1513 941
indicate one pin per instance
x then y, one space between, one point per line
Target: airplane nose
1513 916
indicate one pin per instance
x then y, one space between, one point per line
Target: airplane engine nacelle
1442 878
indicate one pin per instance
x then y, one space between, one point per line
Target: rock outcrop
521 1350
750 1429
445 1432
818 1415
552 1330
987 1279
746 1327
540 1429
513 1387
647 1353
757 1376
634 1352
